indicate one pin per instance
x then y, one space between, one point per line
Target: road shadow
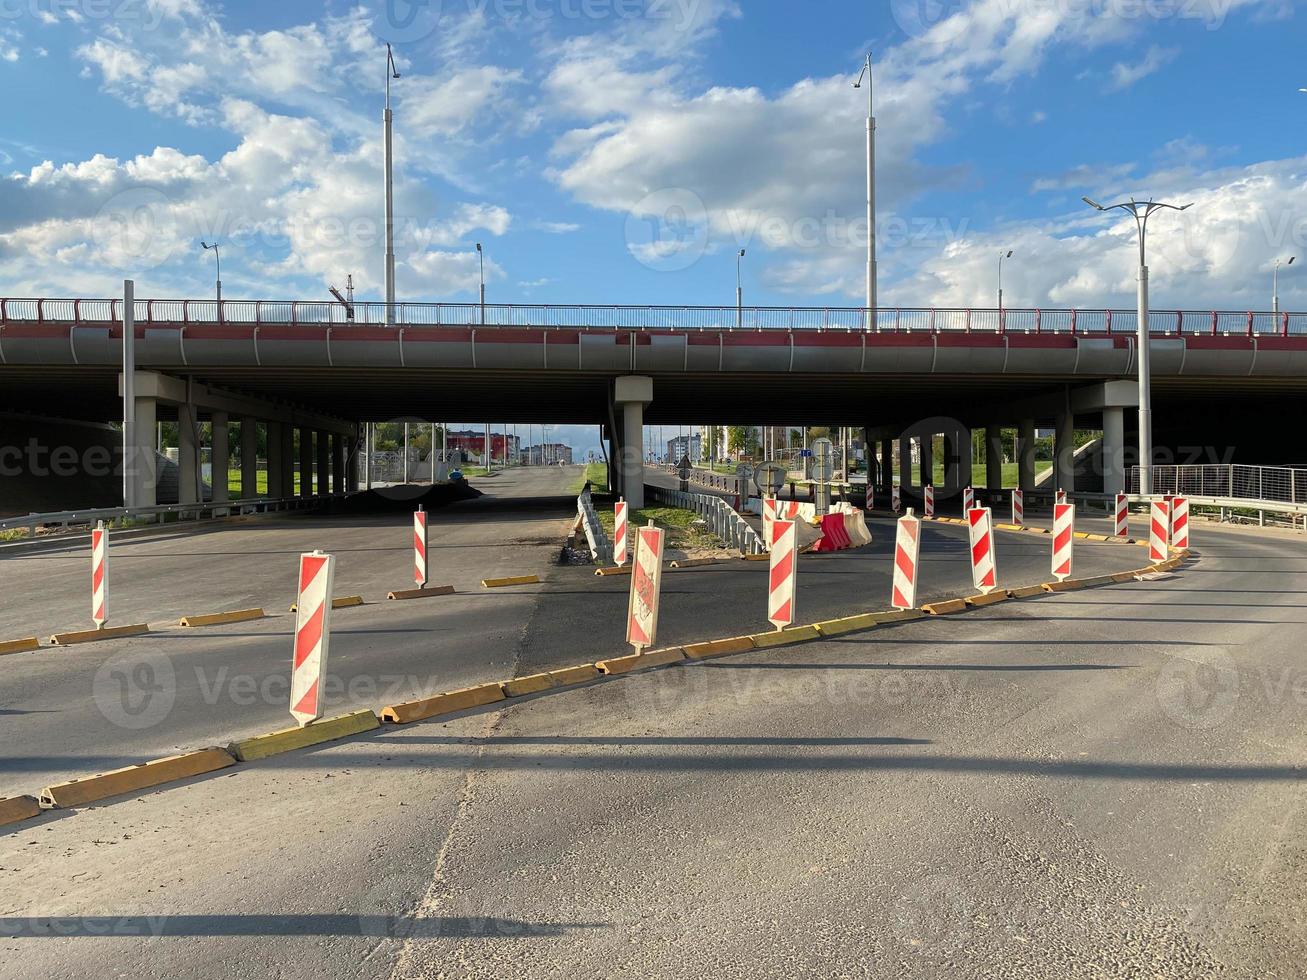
380 925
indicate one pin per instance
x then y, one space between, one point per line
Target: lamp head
1093 204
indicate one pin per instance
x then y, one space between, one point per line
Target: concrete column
993 457
249 457
288 454
188 490
221 454
339 481
632 394
905 462
887 465
142 461
1064 477
306 462
927 459
1026 454
1113 450
957 460
322 467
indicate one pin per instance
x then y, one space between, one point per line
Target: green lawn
675 521
597 474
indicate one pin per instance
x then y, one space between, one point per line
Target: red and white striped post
420 547
1159 530
1180 523
907 549
784 567
928 496
968 500
896 498
646 586
984 563
1018 508
100 575
768 516
619 532
1061 496
312 636
870 504
1122 516
1064 539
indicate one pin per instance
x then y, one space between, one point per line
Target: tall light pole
1142 211
391 72
217 258
1001 257
1275 283
739 291
871 192
481 256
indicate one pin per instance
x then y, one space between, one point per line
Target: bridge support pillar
339 481
220 453
276 460
957 460
143 461
1026 454
287 459
905 462
322 467
306 462
249 457
632 394
1113 450
1064 450
993 458
926 458
886 465
188 485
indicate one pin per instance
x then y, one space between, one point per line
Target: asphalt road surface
67 712
1105 783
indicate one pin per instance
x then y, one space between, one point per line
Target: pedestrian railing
721 518
1237 481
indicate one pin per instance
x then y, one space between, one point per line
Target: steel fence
1281 484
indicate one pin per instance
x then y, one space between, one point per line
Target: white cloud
1123 75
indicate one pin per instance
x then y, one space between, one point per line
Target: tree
742 439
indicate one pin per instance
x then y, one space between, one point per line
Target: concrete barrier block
780 638
95 636
25 645
520 687
848 624
429 592
443 704
567 676
130 779
499 583
221 619
998 595
945 607
316 733
18 808
718 648
641 661
1026 591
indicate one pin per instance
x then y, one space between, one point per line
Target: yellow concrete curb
1124 576
696 562
1067 585
848 624
94 636
289 739
443 704
945 607
641 661
1026 591
781 638
424 593
90 789
18 808
998 595
763 557
718 648
341 602
219 619
24 645
580 674
897 615
499 583
614 570
520 687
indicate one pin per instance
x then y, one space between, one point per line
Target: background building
472 445
691 446
548 454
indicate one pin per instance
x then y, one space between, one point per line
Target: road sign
420 547
1018 507
1159 530
928 500
100 575
805 453
646 584
312 636
1122 516
1064 527
984 565
771 477
968 500
1180 523
683 471
780 593
907 548
823 459
744 482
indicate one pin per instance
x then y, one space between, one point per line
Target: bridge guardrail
183 512
601 547
720 516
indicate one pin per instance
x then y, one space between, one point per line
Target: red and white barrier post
100 575
928 496
312 636
968 500
619 533
1064 539
984 563
1061 496
1122 516
896 499
1019 508
784 567
769 515
1159 530
420 548
907 549
646 587
1180 523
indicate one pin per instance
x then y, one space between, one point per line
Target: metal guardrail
720 516
1233 481
182 512
177 312
601 548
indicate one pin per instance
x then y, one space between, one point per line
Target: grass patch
597 474
682 531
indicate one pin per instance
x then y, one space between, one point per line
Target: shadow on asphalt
338 924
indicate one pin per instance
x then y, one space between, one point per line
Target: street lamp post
1142 211
391 72
1275 283
217 258
871 191
481 256
1001 257
739 291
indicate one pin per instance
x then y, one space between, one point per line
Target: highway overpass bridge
1227 385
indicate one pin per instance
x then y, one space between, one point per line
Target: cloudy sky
625 150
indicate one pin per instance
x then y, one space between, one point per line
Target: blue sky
560 133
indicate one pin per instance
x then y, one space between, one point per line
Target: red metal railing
174 312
